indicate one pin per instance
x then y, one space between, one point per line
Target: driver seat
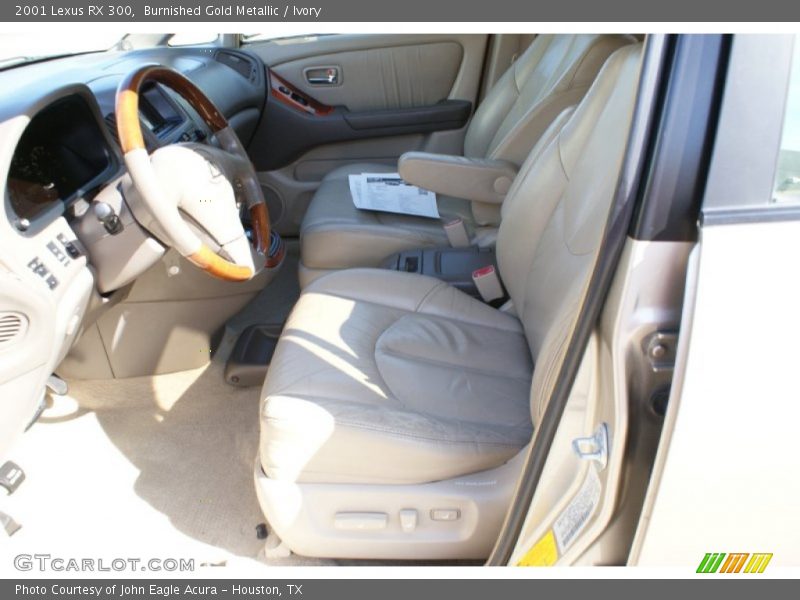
396 408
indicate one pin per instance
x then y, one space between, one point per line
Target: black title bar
395 589
440 11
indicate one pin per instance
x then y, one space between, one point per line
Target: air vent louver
12 326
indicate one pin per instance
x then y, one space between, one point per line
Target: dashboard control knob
106 215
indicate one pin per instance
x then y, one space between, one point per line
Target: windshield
21 47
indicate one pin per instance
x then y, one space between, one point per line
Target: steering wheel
189 188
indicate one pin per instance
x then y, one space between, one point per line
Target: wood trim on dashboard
311 106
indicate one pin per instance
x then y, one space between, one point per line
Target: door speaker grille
12 327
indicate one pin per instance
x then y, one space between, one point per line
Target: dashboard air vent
12 326
244 65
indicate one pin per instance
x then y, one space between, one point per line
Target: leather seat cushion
336 235
391 377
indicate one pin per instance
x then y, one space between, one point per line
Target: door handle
322 75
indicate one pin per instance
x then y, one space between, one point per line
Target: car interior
204 342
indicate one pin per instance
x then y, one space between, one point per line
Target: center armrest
475 179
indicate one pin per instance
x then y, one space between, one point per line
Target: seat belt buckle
488 283
456 232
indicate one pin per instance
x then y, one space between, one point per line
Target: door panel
379 78
382 78
302 125
735 399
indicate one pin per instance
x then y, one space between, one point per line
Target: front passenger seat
551 75
396 408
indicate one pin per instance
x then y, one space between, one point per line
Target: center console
453 265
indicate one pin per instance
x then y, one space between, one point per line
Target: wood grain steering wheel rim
133 147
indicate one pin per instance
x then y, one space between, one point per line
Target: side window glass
281 37
787 178
192 39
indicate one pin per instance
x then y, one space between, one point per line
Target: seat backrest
554 72
556 211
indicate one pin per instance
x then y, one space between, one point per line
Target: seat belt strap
456 232
488 283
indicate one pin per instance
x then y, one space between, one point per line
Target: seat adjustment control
445 514
408 519
360 521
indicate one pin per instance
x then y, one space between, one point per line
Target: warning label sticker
543 553
573 519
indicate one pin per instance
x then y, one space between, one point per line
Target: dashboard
59 152
69 150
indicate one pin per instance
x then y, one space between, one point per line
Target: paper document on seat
387 192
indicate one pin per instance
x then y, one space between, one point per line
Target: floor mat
270 307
